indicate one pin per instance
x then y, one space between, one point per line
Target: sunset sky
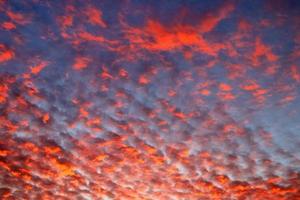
149 100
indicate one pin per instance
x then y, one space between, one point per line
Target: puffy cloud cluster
132 100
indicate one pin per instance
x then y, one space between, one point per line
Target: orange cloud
8 25
3 93
225 87
89 37
226 96
46 118
250 86
260 49
95 17
63 169
143 80
18 18
5 54
81 63
66 21
156 37
295 72
212 19
38 68
149 124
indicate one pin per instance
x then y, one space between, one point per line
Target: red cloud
212 19
81 63
5 54
95 17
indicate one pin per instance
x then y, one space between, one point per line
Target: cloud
114 102
5 54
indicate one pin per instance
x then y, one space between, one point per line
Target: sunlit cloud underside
150 100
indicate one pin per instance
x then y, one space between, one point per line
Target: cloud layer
139 100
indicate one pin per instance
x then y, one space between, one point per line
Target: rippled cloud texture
156 100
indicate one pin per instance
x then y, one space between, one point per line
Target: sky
150 100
